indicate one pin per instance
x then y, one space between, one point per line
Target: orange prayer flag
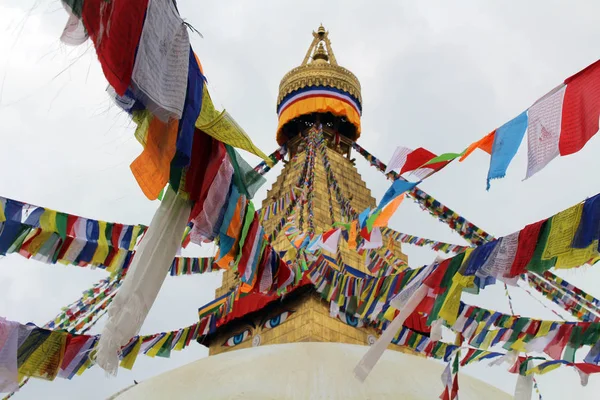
388 211
352 235
485 144
151 169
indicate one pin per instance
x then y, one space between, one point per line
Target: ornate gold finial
322 71
320 54
321 30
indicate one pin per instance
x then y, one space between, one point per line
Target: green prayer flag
444 157
61 224
165 350
246 227
537 264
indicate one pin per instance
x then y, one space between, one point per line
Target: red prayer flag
72 348
115 28
435 279
528 238
417 158
581 108
587 368
557 345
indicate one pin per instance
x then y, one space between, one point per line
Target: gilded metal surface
322 71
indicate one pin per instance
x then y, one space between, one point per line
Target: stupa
296 346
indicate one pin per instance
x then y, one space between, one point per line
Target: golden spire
319 68
319 37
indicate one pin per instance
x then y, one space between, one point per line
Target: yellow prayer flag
221 126
2 215
544 328
181 342
48 221
487 340
519 344
480 327
389 313
128 361
153 351
102 250
563 228
577 257
112 268
46 360
538 371
142 120
134 236
449 310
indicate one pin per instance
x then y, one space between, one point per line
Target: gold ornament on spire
319 68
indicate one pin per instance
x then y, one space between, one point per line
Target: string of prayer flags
55 237
566 299
464 228
278 155
28 350
559 123
570 288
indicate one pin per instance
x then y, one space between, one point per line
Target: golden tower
318 92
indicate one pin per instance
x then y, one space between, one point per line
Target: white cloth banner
374 353
543 130
160 72
524 387
142 283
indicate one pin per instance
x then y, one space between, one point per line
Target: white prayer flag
398 159
543 130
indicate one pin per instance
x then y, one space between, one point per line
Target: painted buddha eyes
237 339
351 320
269 324
276 321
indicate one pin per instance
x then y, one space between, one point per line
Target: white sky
433 74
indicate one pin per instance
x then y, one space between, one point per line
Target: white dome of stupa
305 371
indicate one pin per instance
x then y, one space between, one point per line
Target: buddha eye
276 321
351 320
237 339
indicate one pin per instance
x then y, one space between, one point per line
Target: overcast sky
433 75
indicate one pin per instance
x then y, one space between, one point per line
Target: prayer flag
398 159
506 143
581 107
416 159
543 130
398 187
485 144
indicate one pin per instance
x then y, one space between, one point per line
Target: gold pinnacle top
319 68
